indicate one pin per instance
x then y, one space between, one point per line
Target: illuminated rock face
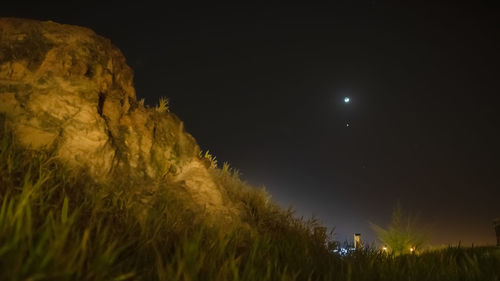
65 89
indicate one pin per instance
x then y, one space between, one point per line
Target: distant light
412 249
343 251
384 249
347 100
347 125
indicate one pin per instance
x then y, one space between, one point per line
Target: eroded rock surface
66 89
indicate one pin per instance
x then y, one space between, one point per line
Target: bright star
347 100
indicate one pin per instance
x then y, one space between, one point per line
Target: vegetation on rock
59 224
96 186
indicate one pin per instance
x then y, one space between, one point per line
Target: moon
347 99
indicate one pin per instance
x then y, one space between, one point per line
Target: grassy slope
57 224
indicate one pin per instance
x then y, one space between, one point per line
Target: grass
163 105
57 224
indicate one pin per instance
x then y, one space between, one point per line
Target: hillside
124 182
95 185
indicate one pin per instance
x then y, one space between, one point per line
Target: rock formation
68 90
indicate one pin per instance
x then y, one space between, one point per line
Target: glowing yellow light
384 249
412 249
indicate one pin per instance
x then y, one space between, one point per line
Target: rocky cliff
69 91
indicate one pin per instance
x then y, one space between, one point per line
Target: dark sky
263 89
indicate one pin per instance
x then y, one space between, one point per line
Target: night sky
264 90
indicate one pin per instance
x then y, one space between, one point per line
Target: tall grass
58 224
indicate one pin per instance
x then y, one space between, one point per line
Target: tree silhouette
401 236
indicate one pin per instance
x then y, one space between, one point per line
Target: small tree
401 236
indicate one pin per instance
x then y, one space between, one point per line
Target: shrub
401 236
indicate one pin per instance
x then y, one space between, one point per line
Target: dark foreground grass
57 224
